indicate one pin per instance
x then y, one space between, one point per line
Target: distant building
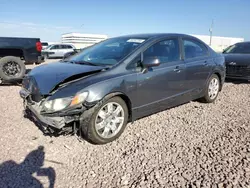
219 43
80 40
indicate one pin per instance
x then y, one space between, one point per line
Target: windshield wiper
81 62
86 63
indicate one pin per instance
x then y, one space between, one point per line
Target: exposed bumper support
56 122
51 125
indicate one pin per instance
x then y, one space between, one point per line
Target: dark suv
98 91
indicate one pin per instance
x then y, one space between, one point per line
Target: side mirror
151 62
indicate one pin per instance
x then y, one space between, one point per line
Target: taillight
39 46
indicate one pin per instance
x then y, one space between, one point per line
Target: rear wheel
212 89
108 122
12 68
46 56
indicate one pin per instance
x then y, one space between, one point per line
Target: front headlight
57 104
61 103
79 98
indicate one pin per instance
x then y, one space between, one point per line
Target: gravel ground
193 145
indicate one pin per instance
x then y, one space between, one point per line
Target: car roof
156 35
61 44
246 42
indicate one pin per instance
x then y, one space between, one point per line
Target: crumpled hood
239 59
48 76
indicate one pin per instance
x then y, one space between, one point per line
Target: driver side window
135 64
54 47
166 51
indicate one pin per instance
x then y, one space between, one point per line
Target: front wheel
212 89
107 122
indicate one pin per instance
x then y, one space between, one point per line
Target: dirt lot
193 145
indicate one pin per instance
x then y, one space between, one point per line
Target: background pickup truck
15 53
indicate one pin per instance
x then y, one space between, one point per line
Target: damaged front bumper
63 122
51 123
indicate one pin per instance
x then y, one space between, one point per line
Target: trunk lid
237 59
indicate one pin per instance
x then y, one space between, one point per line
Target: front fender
107 89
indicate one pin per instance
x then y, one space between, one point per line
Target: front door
161 87
53 51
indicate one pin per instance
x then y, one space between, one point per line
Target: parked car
69 54
57 50
237 58
76 51
45 45
15 53
98 91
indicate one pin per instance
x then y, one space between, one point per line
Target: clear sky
48 19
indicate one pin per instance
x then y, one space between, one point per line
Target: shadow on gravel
17 83
20 175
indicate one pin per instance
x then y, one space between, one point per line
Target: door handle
205 63
177 69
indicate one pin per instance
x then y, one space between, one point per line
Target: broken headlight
61 103
56 104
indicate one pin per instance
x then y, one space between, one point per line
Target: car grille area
238 70
30 85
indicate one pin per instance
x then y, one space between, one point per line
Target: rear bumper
238 77
38 60
240 72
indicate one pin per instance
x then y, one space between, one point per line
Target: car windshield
238 48
108 52
47 47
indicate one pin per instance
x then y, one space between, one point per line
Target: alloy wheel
109 120
213 88
11 68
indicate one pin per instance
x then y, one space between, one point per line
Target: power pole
211 33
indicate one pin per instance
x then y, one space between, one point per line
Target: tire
46 56
93 135
209 97
16 68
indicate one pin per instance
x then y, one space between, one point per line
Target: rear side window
166 51
193 49
240 48
64 46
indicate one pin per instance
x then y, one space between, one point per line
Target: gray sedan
98 91
57 50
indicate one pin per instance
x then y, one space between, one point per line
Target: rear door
62 50
70 48
198 64
65 49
